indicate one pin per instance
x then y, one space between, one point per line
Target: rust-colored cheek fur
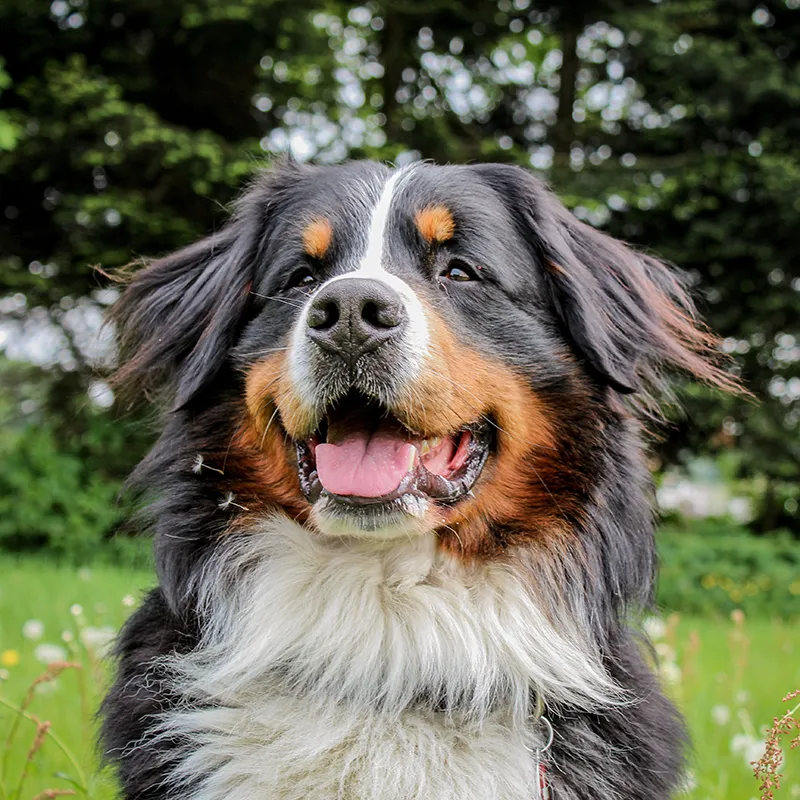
525 490
528 489
268 389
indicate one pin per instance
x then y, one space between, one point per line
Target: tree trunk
570 26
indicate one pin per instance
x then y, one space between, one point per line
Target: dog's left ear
628 314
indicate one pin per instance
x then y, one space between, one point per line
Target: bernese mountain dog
402 513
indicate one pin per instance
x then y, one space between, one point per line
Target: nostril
381 315
322 316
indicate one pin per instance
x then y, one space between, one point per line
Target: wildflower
770 759
76 610
665 651
9 658
688 782
4 674
721 714
33 629
97 639
670 672
67 636
655 627
748 746
129 601
46 688
85 574
48 653
741 697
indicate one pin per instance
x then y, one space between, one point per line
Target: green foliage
127 128
62 465
727 678
713 567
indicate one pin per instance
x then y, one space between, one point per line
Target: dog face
405 351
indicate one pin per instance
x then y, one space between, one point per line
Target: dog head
382 353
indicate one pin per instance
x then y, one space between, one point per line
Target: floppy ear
179 315
627 313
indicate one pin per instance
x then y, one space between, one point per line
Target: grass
728 676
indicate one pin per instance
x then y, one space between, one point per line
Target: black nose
353 316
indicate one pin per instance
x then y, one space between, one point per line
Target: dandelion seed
33 629
200 464
48 653
228 501
9 658
76 610
129 601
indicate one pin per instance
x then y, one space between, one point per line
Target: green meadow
727 674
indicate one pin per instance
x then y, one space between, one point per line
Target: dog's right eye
302 278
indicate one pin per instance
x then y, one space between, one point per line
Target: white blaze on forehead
412 347
372 261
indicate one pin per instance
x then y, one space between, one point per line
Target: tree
126 128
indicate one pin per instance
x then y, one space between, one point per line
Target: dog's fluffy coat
286 655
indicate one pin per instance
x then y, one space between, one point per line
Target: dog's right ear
179 315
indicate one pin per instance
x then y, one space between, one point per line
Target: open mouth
363 455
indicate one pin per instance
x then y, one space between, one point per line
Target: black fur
581 316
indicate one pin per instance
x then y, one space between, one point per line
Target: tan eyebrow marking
317 237
435 224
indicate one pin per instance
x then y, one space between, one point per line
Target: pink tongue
364 464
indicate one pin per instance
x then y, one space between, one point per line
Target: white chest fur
316 653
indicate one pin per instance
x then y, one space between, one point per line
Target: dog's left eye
303 278
458 270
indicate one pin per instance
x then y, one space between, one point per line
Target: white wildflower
688 782
48 653
721 714
33 629
655 627
670 672
76 610
67 636
749 747
665 651
741 697
98 640
4 673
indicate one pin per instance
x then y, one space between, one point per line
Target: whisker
278 299
256 353
269 425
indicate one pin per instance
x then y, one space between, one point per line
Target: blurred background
126 128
